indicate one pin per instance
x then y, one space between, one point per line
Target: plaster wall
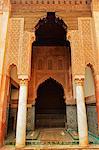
50 61
92 119
14 75
89 87
14 94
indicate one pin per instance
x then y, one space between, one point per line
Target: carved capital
24 82
79 81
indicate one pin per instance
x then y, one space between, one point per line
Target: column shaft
81 114
21 117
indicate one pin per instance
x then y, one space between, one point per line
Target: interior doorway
50 105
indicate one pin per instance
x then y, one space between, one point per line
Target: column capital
23 82
79 79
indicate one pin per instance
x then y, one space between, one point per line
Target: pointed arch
50 104
89 88
89 85
44 79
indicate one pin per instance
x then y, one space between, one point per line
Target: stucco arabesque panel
77 53
13 42
90 51
18 48
24 56
83 49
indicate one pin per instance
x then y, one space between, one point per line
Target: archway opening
12 104
51 31
90 100
50 105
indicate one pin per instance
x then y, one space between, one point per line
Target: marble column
81 112
21 116
97 97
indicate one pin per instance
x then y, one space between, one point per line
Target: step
65 147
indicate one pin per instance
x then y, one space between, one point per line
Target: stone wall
71 112
11 113
92 118
71 116
30 118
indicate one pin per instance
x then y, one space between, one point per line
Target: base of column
83 142
20 146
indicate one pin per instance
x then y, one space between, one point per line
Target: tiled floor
52 136
44 136
51 139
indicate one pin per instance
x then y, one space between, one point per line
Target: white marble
81 116
21 117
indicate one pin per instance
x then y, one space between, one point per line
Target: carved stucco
33 10
5 5
24 55
39 75
18 47
13 42
88 43
77 53
83 49
95 5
